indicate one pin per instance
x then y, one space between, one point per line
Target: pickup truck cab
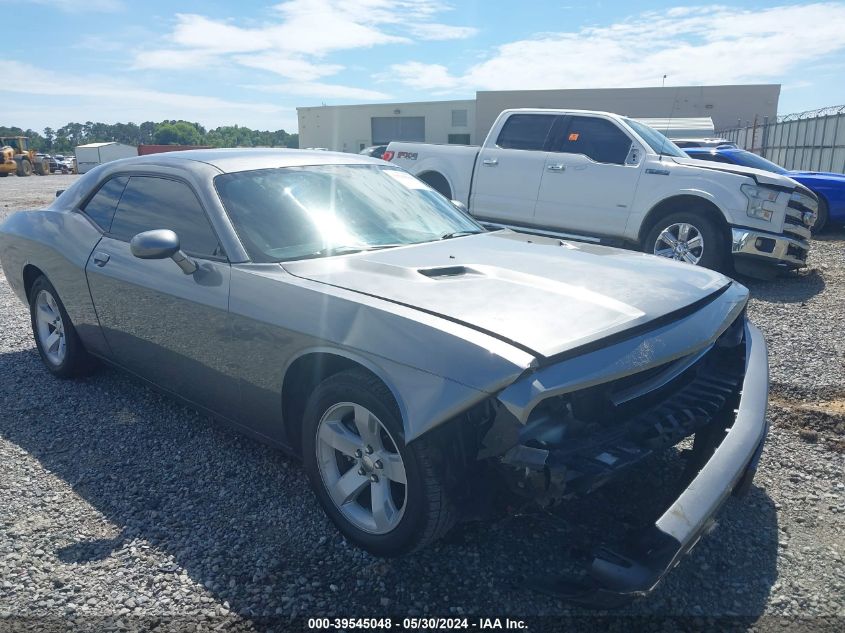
602 177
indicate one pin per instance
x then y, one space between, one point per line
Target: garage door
398 128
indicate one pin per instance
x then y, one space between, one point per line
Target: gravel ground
120 508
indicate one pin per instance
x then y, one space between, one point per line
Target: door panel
587 186
166 326
578 194
505 184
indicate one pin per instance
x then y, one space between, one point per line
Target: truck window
598 139
526 131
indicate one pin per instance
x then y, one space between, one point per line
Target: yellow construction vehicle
20 159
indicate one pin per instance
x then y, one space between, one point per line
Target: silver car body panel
540 294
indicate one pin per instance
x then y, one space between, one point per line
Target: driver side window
149 202
598 139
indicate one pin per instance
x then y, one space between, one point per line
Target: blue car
829 187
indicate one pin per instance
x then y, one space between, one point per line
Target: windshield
747 159
318 211
657 141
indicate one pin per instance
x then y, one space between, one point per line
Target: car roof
245 159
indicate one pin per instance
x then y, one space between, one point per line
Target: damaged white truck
605 178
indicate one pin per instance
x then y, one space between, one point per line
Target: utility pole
663 85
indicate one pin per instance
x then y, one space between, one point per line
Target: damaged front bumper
629 574
717 390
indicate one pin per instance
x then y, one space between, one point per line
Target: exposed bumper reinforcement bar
618 577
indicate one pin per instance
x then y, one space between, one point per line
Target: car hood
817 176
759 175
545 296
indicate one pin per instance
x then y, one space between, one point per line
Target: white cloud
289 67
82 6
436 31
320 90
712 44
421 76
107 99
299 35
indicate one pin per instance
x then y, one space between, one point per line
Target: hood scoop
448 272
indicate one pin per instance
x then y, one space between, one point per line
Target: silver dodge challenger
424 369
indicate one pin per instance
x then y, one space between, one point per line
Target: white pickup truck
602 177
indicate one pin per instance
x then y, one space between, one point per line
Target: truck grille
796 222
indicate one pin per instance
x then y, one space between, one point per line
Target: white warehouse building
350 128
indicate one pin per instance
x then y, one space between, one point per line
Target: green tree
177 133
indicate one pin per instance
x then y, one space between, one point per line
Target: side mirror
161 244
633 156
460 206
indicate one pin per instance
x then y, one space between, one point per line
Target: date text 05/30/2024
417 623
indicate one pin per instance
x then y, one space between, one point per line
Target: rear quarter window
100 208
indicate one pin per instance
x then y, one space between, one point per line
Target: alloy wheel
680 241
50 327
361 468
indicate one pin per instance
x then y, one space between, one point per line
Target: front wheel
24 168
688 237
384 496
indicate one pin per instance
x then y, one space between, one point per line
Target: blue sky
253 63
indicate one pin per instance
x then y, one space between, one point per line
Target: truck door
589 178
508 172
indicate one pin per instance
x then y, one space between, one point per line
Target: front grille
591 434
802 209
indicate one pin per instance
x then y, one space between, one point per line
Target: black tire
3 174
715 251
77 362
24 168
428 512
821 220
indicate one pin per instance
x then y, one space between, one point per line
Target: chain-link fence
809 141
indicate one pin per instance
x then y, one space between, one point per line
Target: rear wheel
688 237
55 337
821 220
384 496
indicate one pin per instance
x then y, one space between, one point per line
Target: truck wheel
821 220
24 168
42 168
385 497
689 237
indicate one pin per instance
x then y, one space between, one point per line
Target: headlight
761 201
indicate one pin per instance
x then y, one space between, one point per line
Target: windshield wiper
449 236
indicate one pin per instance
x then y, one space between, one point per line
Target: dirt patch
821 421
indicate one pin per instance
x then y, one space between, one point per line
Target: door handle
101 258
492 162
556 167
